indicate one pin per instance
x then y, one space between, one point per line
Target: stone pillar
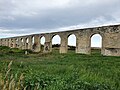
77 43
23 43
19 43
36 45
7 42
64 44
111 44
3 42
83 44
48 44
14 43
103 45
10 42
0 42
30 42
26 46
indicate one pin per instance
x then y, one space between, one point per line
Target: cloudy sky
21 17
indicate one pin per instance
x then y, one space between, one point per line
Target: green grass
54 71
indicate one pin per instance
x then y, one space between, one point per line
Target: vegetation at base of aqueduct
54 71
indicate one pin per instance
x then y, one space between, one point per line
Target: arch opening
72 42
42 42
56 41
96 43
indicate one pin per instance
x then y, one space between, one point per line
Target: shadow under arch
71 42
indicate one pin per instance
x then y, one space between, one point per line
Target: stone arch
96 42
42 42
56 42
72 40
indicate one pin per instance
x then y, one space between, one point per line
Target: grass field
54 71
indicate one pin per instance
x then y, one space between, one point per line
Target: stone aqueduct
110 40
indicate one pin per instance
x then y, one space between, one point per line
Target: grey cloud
74 14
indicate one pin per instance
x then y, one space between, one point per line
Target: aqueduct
110 40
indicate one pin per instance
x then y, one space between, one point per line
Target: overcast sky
21 17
